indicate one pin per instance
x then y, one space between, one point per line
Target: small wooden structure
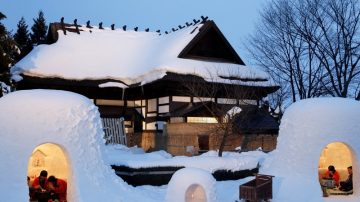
257 189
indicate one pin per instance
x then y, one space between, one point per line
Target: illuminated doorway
195 193
338 155
49 157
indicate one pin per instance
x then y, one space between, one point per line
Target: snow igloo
37 123
314 133
191 185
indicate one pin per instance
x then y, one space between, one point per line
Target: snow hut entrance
195 193
49 157
339 156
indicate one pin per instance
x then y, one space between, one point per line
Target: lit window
177 120
181 99
152 104
201 120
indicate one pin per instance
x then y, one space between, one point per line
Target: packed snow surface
31 118
127 56
120 155
307 127
71 121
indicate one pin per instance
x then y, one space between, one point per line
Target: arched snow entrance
34 117
195 193
338 155
49 157
191 185
307 127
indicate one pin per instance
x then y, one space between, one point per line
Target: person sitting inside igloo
331 178
347 185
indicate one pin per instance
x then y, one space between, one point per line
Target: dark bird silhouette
124 27
136 29
196 21
174 30
88 24
76 26
188 24
166 32
113 27
147 30
204 19
100 25
180 26
158 31
63 25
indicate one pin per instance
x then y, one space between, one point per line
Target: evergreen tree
22 38
8 50
39 30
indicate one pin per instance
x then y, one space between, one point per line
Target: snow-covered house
142 77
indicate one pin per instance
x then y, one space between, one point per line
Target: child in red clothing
57 188
331 173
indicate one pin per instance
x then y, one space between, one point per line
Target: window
201 120
152 105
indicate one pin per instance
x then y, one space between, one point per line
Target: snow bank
306 128
209 161
191 184
31 118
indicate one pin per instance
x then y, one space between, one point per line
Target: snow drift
34 117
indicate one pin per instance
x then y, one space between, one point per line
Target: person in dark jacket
347 185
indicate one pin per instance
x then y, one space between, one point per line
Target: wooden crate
257 189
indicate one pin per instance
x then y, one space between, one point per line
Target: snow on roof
127 56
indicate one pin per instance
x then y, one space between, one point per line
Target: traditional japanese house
154 81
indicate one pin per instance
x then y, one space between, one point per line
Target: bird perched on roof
63 25
88 24
196 21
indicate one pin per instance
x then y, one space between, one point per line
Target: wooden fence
114 129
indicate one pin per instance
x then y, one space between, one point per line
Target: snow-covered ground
136 158
71 122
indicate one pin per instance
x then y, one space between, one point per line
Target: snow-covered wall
31 118
306 128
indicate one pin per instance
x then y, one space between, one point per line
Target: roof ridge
75 27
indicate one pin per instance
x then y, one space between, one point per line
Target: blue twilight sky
235 18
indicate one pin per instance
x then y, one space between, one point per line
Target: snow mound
191 184
72 122
307 127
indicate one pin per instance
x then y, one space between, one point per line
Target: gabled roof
211 44
131 57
